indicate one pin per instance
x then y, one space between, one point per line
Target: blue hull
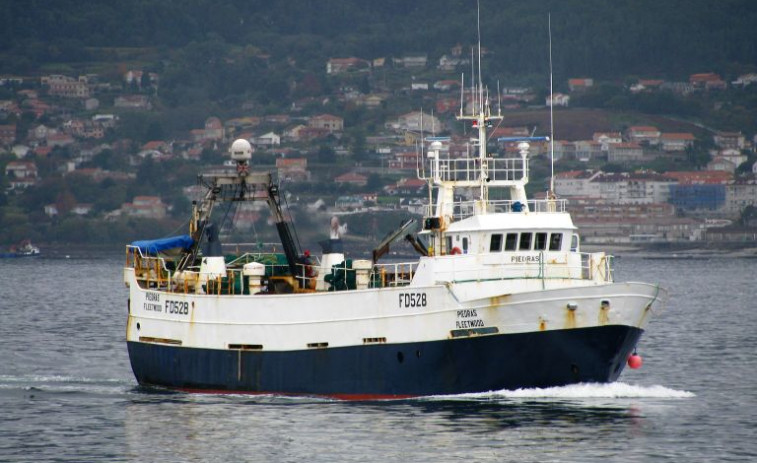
479 364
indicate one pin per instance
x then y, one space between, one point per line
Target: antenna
419 158
473 80
551 111
462 92
499 100
480 83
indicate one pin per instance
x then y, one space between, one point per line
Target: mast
241 185
480 117
551 114
476 172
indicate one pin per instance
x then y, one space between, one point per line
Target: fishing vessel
500 296
24 249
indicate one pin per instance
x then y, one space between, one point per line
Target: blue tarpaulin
163 244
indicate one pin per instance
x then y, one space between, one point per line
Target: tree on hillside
357 145
745 168
698 154
748 216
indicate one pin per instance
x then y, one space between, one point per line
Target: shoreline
648 251
676 250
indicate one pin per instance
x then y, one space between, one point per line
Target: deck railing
394 274
464 209
468 169
152 272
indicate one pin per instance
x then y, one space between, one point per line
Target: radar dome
433 150
241 150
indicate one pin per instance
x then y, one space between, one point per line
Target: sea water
67 392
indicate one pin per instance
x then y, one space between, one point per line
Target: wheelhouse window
525 242
555 241
465 245
511 242
496 243
540 241
574 243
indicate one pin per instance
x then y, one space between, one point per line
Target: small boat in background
23 249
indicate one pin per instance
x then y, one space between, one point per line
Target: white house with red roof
404 160
708 81
267 139
730 140
676 141
342 65
407 186
644 134
148 207
328 122
155 148
607 138
21 174
625 152
352 178
66 87
701 177
132 101
295 169
213 129
59 139
21 169
581 83
722 163
416 121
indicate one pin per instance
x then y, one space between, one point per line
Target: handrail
148 269
395 273
465 209
468 169
152 272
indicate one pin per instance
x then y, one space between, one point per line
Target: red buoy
634 361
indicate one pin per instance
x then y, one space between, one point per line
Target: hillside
582 123
603 39
104 103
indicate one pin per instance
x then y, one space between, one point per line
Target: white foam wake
59 383
604 391
585 391
34 379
